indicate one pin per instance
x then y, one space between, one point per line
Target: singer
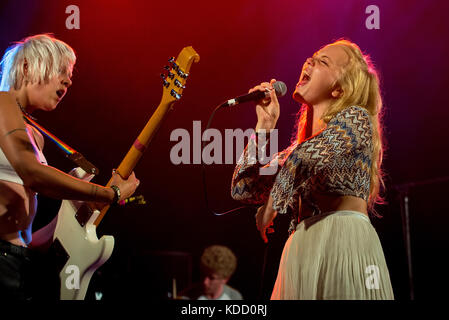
36 74
329 180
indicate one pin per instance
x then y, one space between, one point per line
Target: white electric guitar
79 252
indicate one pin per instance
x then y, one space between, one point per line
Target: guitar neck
139 146
173 85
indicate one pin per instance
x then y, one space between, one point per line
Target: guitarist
36 74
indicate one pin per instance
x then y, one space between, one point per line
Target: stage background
121 49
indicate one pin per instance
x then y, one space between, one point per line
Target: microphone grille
280 88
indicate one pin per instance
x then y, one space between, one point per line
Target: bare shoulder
8 103
10 114
6 98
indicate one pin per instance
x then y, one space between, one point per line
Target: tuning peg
175 94
179 84
171 59
163 76
167 67
166 83
182 74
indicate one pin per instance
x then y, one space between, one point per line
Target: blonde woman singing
329 180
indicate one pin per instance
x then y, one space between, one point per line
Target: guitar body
79 246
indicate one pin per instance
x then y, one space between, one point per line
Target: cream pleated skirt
336 255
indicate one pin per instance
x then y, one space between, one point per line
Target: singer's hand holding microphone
267 108
267 105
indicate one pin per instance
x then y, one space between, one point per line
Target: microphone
279 87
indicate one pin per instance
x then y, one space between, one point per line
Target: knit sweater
336 161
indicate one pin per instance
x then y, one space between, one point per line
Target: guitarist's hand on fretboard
127 187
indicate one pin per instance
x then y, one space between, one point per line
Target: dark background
121 48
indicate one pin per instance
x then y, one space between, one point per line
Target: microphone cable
280 88
203 169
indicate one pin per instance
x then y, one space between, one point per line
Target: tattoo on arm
12 131
94 192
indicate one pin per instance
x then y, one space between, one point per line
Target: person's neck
216 294
318 110
22 99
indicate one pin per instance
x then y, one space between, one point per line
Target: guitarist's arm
41 238
49 181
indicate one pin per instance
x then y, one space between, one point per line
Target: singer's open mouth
60 93
304 79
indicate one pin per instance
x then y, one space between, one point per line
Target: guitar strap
69 152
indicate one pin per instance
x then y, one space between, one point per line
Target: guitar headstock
177 73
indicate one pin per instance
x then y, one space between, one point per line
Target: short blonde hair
220 260
37 58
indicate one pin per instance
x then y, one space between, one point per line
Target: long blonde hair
360 84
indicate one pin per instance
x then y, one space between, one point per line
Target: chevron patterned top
337 160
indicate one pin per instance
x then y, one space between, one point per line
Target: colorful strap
70 153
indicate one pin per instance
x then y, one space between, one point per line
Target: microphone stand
404 190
